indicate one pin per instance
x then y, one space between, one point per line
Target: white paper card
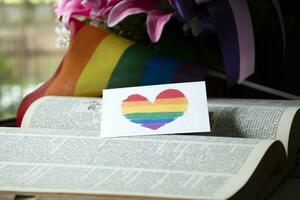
154 110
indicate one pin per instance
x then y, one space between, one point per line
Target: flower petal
59 8
113 2
93 4
75 7
155 23
68 9
129 7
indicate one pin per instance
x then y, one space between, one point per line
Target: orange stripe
79 53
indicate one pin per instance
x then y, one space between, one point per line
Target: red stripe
135 97
170 93
40 92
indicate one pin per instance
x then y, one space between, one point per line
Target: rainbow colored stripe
169 105
110 61
97 60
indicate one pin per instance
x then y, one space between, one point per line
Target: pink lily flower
68 9
100 8
156 19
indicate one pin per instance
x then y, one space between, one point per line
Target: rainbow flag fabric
97 60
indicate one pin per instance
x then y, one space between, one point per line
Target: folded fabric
231 22
97 60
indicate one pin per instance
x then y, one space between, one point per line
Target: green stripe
130 68
153 116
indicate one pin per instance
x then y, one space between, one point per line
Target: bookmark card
155 110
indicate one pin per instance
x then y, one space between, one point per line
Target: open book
58 154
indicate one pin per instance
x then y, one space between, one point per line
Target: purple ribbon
245 36
233 27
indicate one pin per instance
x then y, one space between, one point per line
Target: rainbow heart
168 105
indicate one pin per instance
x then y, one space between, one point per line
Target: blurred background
28 52
29 56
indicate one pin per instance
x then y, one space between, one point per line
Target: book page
175 166
257 102
263 119
64 113
46 131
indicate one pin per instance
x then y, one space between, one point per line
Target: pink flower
100 8
156 19
68 9
115 11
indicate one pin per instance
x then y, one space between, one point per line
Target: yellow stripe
98 70
136 103
181 100
154 108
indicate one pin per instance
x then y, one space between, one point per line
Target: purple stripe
153 126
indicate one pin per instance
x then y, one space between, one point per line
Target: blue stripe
159 70
154 121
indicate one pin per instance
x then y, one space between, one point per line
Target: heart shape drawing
168 106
